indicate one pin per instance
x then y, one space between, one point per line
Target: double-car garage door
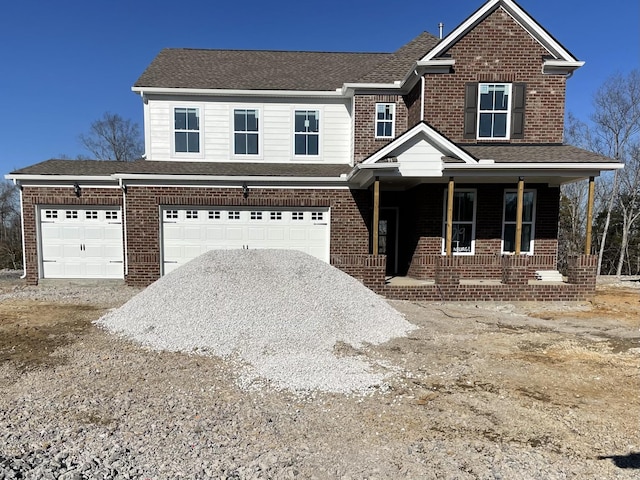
88 242
189 232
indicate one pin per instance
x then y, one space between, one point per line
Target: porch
453 282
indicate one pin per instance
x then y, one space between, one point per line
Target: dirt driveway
478 391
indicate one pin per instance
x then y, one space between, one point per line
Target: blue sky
67 62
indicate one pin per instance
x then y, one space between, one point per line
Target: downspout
422 99
124 227
24 252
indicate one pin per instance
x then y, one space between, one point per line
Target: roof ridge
247 50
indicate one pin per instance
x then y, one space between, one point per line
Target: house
441 163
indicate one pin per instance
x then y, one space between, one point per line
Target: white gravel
283 313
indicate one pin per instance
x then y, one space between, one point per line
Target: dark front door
388 238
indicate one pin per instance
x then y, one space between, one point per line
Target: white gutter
214 92
65 178
553 66
224 178
485 165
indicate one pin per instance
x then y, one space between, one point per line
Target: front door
388 238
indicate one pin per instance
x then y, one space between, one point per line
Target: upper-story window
307 132
186 130
494 111
246 132
385 120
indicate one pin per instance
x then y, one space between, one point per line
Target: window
191 214
214 215
256 215
111 214
307 132
91 215
297 216
385 120
186 130
276 216
509 226
170 214
51 214
317 216
464 221
245 131
72 214
494 109
235 215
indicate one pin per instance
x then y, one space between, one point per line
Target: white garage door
81 243
189 232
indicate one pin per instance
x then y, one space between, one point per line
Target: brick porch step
549 275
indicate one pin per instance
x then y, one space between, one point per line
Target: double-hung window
246 131
186 130
385 120
306 132
464 221
510 221
494 110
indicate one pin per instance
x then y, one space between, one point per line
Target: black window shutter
517 112
470 110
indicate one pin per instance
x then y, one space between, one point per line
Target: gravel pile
284 314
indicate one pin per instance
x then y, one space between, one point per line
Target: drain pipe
24 253
123 187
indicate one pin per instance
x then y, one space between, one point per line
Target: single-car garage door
81 243
189 232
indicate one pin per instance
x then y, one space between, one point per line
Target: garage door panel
81 243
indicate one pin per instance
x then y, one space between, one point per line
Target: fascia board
534 166
553 66
226 178
59 178
236 92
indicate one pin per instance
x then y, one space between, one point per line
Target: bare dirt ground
488 390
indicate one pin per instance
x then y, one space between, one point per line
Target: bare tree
113 138
10 227
614 133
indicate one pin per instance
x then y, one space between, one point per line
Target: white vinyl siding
276 130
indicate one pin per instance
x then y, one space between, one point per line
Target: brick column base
448 271
516 270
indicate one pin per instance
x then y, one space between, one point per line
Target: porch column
376 215
449 236
519 215
587 243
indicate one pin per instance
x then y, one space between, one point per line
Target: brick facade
365 141
498 49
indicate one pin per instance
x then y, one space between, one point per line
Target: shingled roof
146 167
279 70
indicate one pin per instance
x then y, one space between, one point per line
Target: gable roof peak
539 33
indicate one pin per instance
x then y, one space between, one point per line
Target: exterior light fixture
245 190
76 189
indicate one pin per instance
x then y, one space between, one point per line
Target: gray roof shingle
256 69
279 70
106 168
535 154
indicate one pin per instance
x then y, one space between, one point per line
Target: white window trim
473 222
508 111
533 220
393 120
293 129
172 119
232 129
